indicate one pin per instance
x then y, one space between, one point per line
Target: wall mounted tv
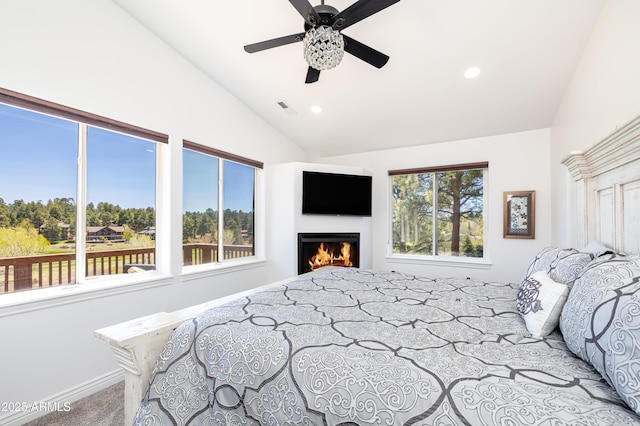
336 194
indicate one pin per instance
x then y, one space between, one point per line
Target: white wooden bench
137 344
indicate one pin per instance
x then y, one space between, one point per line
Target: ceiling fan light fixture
323 47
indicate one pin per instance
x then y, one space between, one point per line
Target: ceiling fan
324 44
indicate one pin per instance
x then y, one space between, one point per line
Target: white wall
518 161
90 55
285 218
604 93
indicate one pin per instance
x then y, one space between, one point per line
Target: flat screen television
336 194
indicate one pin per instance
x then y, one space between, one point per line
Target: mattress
348 346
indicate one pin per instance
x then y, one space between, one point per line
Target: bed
350 346
346 346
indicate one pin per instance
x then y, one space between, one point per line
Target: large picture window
218 205
75 185
439 211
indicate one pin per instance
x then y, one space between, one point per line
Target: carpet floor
103 408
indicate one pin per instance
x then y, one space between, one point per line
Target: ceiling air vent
286 108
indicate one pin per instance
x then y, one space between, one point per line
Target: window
120 195
439 211
75 185
218 205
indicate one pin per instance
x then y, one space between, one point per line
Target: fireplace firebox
316 250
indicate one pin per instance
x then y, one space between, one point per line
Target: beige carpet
104 408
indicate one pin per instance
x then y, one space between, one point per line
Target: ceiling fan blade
358 11
307 11
268 44
364 52
312 75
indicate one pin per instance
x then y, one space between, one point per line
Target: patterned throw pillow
561 265
540 301
601 322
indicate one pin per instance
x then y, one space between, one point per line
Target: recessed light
472 72
317 109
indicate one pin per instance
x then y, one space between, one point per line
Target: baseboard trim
73 394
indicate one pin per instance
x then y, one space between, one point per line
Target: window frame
83 120
461 261
21 302
222 156
40 105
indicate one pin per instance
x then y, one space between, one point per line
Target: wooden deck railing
197 254
29 272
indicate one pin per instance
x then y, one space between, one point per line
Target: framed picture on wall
519 214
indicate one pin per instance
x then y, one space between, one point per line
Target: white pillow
540 302
595 247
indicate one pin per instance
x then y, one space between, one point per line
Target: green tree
140 241
34 212
188 226
22 240
127 218
468 248
51 230
128 233
412 213
230 236
63 209
108 214
92 215
205 225
459 196
232 230
5 218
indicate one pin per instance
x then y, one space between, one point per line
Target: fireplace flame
325 257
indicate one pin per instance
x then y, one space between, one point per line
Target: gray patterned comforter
354 347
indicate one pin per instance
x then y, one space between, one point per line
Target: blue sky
38 163
38 156
200 177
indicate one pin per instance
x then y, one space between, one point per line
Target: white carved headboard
607 190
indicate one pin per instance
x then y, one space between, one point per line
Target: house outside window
438 211
75 185
218 220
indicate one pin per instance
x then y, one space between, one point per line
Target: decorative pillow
542 261
569 265
540 302
601 322
561 265
596 248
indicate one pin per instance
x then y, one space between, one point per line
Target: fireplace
316 250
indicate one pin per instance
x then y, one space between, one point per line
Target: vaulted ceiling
526 50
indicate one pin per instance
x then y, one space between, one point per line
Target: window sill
459 262
93 288
195 272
